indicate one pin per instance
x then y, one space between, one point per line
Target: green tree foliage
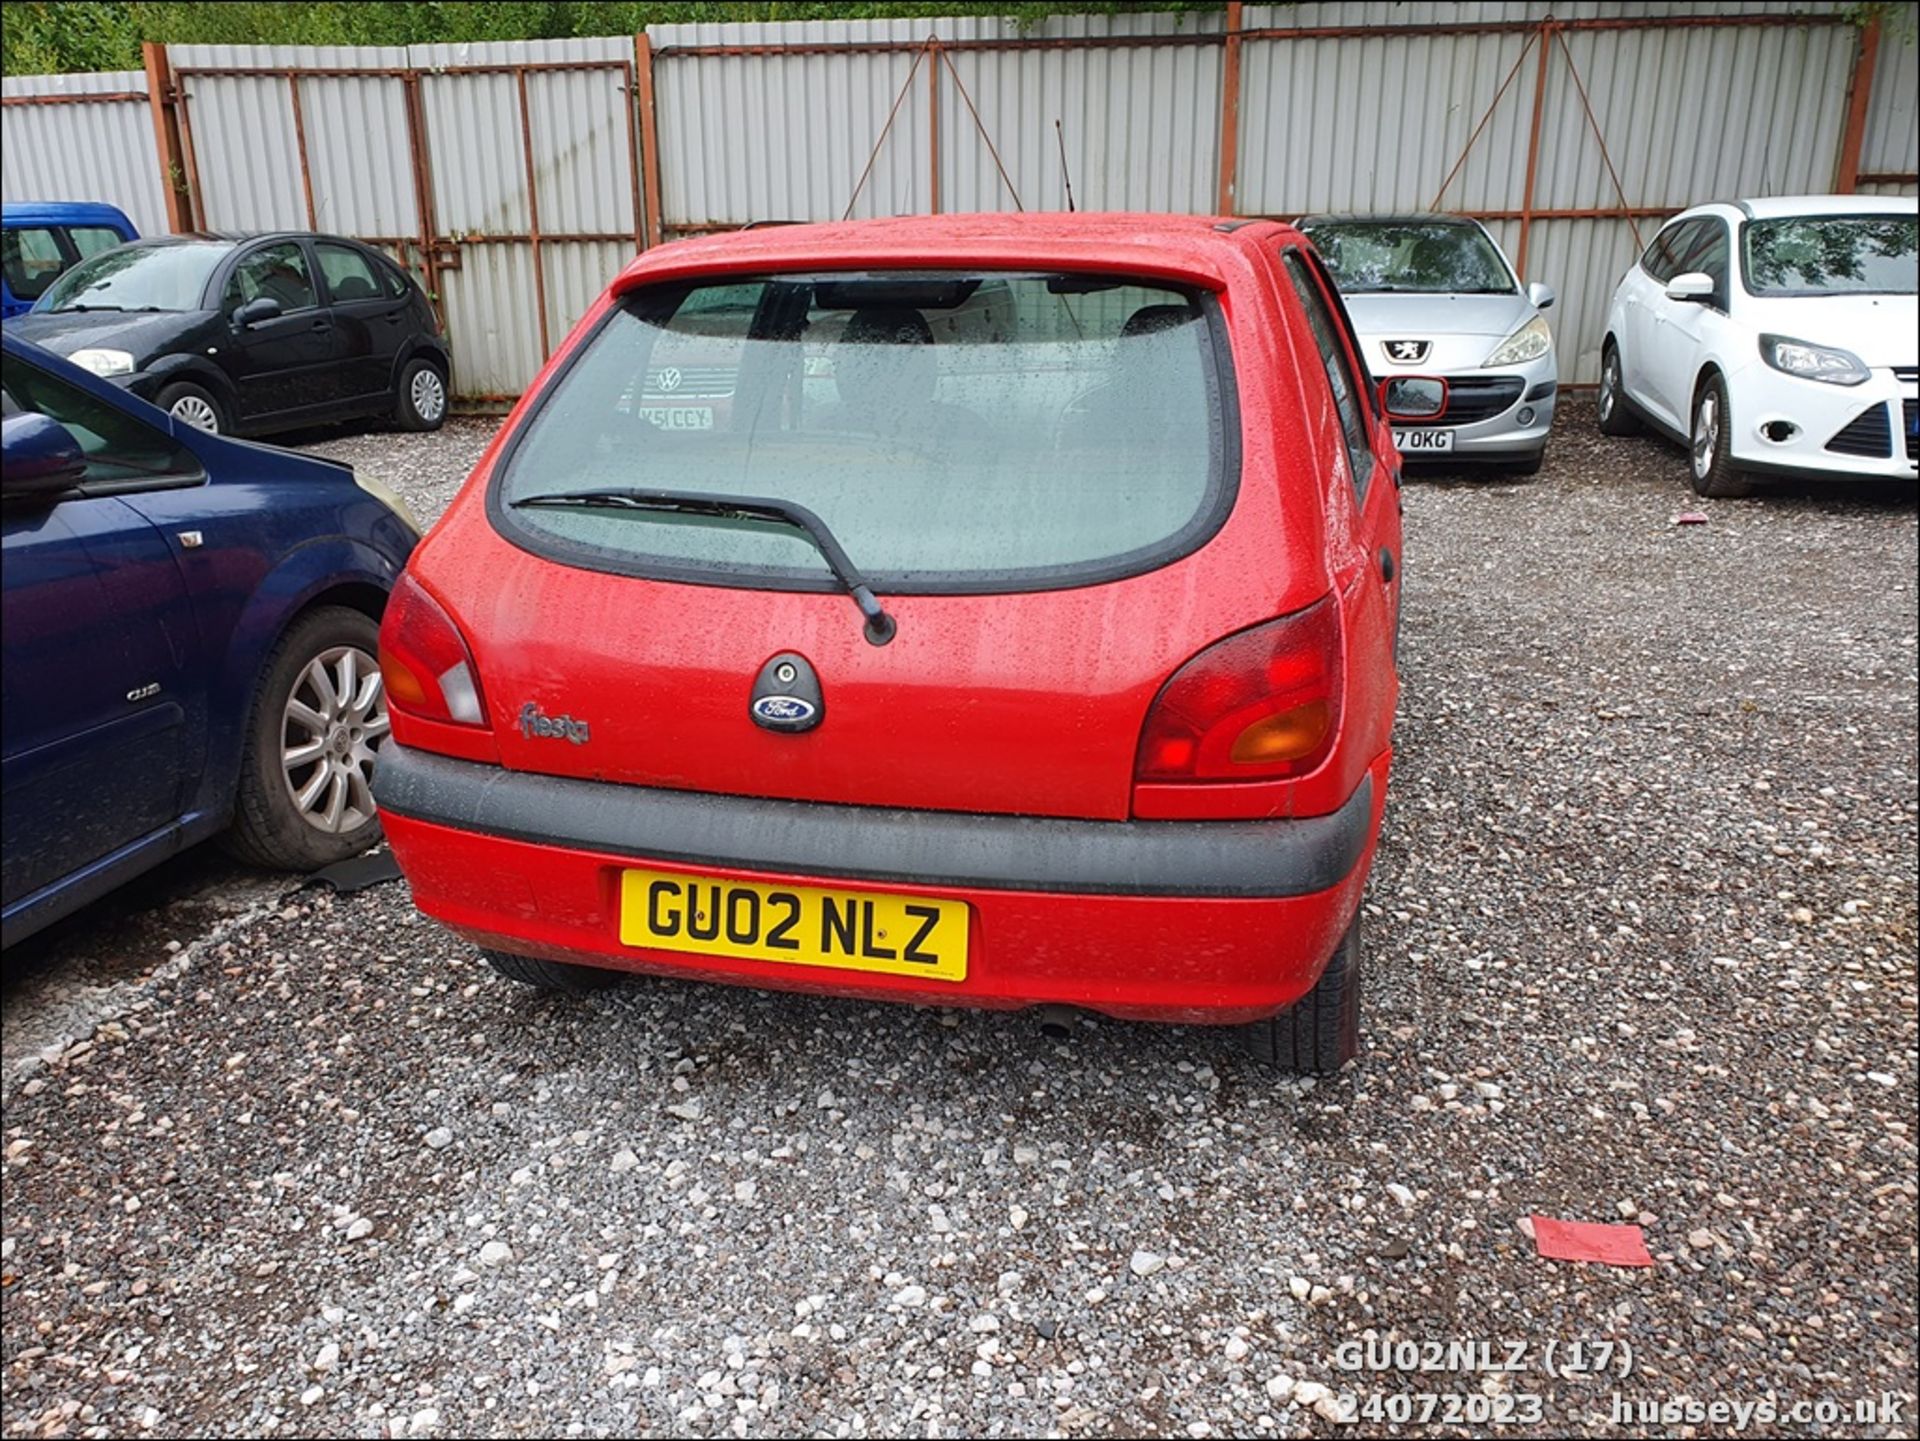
45 37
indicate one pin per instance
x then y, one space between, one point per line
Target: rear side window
957 432
396 281
32 260
349 273
1349 395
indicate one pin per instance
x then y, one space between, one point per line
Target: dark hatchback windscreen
138 277
953 430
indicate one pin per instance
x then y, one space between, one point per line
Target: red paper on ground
1587 1241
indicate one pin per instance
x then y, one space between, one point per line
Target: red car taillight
424 662
1261 705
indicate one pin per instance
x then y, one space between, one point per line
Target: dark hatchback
248 334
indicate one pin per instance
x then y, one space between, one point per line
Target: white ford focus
1773 337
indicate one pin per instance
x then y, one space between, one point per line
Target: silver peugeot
1433 296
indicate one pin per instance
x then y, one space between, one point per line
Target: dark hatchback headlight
103 362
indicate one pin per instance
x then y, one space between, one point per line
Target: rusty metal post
649 134
300 145
632 90
196 198
933 126
533 211
166 137
1846 172
1533 145
1230 115
418 161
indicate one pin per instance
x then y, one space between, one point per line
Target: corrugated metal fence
517 177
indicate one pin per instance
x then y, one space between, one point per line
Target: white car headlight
1812 362
103 362
1529 342
390 498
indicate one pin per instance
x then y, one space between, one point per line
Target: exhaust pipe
1056 1021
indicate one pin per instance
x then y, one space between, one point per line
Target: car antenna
1061 136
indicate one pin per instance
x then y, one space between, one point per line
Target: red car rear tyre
545 975
1321 1031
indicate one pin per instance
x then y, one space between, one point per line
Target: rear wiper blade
881 627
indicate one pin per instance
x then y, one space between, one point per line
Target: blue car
190 642
41 240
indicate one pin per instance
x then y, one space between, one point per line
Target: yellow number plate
846 930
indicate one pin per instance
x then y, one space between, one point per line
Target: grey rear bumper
1240 859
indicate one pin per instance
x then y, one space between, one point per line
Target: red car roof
1201 249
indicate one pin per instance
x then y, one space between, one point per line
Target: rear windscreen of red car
955 431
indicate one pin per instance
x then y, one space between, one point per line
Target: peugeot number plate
798 925
1423 442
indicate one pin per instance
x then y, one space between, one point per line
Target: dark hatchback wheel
421 401
193 405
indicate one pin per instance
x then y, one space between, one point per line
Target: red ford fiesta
1006 616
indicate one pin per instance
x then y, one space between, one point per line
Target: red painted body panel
1022 704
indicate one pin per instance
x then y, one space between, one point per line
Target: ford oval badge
786 695
786 709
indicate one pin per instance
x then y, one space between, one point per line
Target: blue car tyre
319 718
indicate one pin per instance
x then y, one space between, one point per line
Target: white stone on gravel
910 1296
439 1138
496 1253
359 1228
1145 1263
1279 1388
327 1357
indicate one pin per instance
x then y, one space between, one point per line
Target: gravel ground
1642 940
